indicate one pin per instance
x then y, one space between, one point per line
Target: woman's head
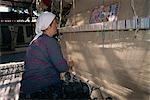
46 23
52 28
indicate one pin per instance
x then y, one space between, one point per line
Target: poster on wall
104 13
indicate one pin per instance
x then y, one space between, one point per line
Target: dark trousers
49 93
64 91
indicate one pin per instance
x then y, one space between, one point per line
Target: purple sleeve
56 56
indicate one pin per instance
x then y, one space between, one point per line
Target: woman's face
52 29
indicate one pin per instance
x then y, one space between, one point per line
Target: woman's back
43 64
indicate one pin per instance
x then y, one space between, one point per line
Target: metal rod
60 14
103 30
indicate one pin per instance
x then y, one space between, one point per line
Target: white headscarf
42 23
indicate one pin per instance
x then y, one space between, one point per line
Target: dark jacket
43 65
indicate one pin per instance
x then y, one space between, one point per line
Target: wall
119 61
80 14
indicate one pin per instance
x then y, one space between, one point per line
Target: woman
44 62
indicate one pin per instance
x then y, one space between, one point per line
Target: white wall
117 60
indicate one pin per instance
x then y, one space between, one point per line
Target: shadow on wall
118 61
14 57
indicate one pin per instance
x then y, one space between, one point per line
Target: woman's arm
56 56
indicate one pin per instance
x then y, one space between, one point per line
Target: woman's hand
71 65
71 69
